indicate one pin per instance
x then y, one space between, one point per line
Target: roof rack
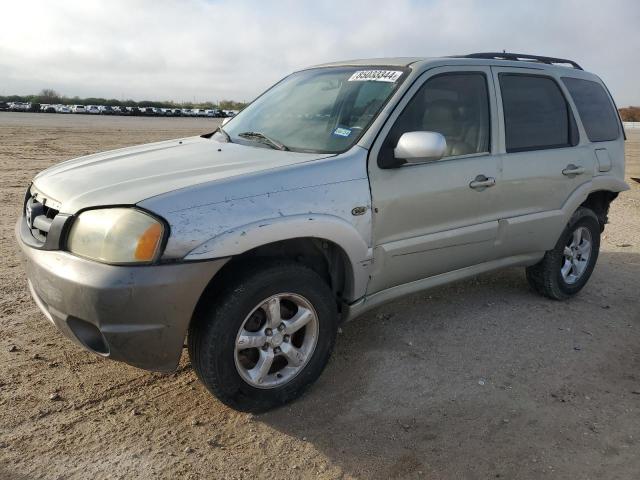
521 57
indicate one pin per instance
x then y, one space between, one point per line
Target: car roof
421 63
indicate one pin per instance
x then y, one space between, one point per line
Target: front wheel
264 339
565 270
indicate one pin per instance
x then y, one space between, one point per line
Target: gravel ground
479 379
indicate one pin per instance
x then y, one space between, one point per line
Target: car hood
130 175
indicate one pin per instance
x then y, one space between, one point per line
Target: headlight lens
116 235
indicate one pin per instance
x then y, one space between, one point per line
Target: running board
374 300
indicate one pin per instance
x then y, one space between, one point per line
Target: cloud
210 50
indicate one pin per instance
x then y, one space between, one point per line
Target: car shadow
482 378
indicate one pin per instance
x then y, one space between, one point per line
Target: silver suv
343 186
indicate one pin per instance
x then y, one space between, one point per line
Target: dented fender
326 199
323 227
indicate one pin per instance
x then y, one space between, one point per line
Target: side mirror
225 120
418 147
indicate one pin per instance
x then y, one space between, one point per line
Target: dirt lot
480 379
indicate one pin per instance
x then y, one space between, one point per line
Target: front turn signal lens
148 243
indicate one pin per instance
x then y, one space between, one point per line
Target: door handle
573 170
481 182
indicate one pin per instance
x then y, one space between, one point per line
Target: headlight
116 235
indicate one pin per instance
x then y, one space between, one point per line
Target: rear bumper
135 314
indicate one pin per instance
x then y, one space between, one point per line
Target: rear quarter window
594 106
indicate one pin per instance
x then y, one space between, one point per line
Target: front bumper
135 314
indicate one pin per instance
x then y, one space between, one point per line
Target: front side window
453 104
536 114
323 110
596 111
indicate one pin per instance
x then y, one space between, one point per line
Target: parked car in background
78 109
187 112
48 108
92 109
4 106
106 110
63 109
19 106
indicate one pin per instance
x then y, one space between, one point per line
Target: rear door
542 157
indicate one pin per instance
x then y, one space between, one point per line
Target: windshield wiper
261 137
226 136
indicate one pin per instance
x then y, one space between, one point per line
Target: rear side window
598 117
536 114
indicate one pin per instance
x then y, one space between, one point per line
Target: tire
547 278
240 308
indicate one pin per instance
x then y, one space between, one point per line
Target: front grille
39 216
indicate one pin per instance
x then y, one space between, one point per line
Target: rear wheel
565 270
264 339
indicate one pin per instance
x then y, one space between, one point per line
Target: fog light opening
89 335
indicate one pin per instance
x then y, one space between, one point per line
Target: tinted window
536 114
455 105
598 116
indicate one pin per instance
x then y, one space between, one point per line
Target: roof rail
521 57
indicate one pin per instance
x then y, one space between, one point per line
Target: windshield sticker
342 132
375 76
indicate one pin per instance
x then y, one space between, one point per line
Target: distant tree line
49 96
630 114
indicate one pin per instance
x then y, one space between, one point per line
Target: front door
439 216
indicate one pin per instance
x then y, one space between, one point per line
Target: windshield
322 110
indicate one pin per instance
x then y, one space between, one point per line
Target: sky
186 50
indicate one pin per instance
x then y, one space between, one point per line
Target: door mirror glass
417 147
